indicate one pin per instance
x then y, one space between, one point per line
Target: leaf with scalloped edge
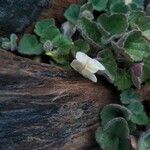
123 144
87 6
106 141
132 46
119 7
40 26
99 5
112 2
72 13
123 80
29 45
107 59
113 25
80 46
140 3
62 60
128 96
89 31
117 127
140 118
144 141
120 78
112 111
136 107
146 75
50 33
63 44
138 19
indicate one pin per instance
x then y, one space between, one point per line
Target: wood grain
46 108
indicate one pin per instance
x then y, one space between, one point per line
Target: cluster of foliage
117 33
120 124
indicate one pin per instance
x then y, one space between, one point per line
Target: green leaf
140 3
106 141
50 33
112 111
108 60
136 107
112 2
123 80
146 75
129 96
72 13
113 25
117 127
123 144
139 20
132 127
59 59
63 44
87 6
93 36
40 26
29 45
144 141
80 46
119 7
120 78
136 46
99 5
133 46
140 118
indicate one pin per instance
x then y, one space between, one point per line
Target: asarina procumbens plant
110 38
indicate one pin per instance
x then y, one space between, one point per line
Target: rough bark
43 107
47 108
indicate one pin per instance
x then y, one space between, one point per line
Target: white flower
87 66
127 2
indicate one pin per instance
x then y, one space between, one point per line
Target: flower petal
127 2
81 57
93 66
89 75
76 65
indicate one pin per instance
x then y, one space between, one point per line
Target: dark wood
47 108
43 107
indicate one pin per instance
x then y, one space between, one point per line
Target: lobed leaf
119 7
40 26
146 75
72 13
106 141
136 107
93 36
80 46
140 118
63 44
129 96
133 46
99 5
117 127
138 19
29 45
112 111
144 141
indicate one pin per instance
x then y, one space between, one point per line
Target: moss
15 15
